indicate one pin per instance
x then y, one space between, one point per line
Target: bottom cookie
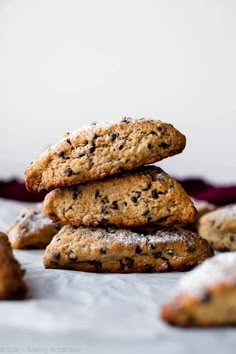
206 296
124 251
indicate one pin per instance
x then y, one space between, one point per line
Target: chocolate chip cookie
12 285
206 296
139 197
219 228
32 229
103 150
124 251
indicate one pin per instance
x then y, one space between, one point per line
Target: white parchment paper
100 313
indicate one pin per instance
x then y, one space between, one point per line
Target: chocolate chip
138 250
68 172
56 255
68 141
92 148
121 147
191 249
159 128
153 133
145 186
72 256
114 205
231 238
163 219
148 268
114 135
97 194
151 246
154 194
103 250
149 145
134 199
206 298
53 263
164 145
74 194
97 265
103 220
145 213
105 200
61 154
125 120
156 254
129 262
125 203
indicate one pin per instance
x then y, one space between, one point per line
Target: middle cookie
144 196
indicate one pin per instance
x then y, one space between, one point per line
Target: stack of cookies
119 214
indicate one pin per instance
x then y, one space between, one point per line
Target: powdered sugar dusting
33 216
221 268
126 236
226 212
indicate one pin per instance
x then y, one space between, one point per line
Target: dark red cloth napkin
197 188
16 190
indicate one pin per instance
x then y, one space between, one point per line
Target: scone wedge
143 196
125 251
205 296
219 228
32 229
103 150
12 285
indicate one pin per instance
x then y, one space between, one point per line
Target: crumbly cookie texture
103 150
206 296
219 228
124 251
139 197
12 285
32 229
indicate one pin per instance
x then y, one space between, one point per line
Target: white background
64 63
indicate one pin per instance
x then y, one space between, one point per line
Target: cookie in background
12 285
32 229
206 296
219 228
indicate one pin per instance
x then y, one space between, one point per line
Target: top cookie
103 150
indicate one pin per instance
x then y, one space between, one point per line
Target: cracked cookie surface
206 296
139 197
103 150
125 251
